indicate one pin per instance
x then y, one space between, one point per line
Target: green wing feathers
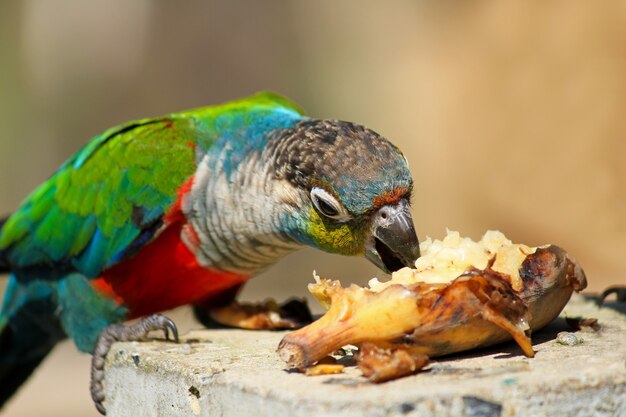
101 199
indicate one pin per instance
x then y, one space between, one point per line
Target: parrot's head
347 190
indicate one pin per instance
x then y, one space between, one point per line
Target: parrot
184 209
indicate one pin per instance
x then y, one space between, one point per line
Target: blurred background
511 114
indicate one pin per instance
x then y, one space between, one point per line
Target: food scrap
325 366
324 369
383 363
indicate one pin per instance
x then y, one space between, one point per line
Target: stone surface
237 373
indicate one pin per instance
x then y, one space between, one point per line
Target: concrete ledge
237 373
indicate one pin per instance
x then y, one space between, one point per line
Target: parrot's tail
29 330
27 334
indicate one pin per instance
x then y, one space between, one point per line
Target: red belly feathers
164 274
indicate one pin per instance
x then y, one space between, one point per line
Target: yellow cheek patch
334 237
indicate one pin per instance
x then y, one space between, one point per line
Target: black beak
393 243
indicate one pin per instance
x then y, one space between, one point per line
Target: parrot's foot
620 293
268 315
122 333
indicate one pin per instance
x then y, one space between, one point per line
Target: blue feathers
240 134
83 312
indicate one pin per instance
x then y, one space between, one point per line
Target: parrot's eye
326 204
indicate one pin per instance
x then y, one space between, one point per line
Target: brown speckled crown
350 160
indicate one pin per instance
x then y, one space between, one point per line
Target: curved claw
121 333
169 326
619 291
